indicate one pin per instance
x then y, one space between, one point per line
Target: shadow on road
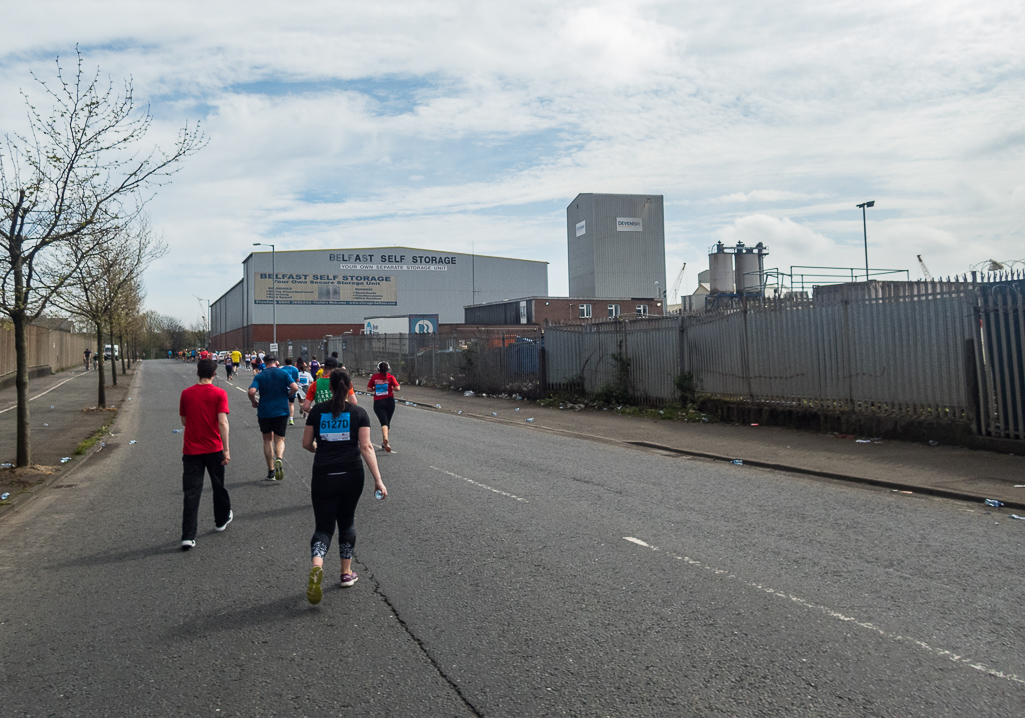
102 559
286 608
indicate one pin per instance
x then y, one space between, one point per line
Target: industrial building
617 246
308 294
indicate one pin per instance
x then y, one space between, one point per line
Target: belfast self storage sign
367 288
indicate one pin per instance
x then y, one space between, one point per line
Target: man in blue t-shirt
276 390
293 373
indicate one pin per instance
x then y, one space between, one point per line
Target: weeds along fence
484 360
631 360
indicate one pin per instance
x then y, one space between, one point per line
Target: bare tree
104 283
78 173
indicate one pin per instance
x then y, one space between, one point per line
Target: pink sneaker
349 578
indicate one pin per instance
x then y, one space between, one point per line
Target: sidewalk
62 412
947 471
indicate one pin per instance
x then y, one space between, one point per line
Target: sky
470 126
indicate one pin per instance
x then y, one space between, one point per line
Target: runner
320 389
236 359
293 374
203 408
229 366
381 385
337 434
276 389
305 380
315 366
88 352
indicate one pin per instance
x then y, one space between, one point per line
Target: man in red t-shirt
203 408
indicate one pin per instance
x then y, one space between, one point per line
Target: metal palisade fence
636 360
999 352
484 360
894 353
914 351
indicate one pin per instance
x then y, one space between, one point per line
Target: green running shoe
279 470
313 590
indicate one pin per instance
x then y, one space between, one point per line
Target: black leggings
335 491
385 409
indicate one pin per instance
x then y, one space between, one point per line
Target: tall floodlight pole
864 226
273 288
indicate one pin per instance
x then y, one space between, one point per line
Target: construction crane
674 297
925 270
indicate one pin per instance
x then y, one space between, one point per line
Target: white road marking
842 617
483 486
2 411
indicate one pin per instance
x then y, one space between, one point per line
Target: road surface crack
420 644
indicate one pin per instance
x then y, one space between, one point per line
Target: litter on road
994 503
65 459
1016 516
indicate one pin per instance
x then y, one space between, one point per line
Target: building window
585 311
642 310
613 311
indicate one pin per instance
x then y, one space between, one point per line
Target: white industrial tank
720 271
748 270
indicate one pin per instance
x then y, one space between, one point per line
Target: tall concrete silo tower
617 245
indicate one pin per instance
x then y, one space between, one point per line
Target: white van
106 352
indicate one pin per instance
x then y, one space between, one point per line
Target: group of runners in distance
336 432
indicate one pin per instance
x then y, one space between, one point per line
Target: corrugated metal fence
920 351
1001 336
896 353
492 361
640 358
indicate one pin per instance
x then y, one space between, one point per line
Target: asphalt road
511 572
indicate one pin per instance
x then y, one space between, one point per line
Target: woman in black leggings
338 434
383 386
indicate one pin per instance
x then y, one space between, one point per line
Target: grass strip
90 441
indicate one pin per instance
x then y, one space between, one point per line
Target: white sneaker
187 544
231 515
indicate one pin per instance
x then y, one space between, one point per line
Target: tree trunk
24 453
122 351
101 394
113 360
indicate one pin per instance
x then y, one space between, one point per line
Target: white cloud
458 121
780 234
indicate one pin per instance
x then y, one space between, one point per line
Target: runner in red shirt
381 386
203 408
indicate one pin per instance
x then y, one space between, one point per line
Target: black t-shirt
337 436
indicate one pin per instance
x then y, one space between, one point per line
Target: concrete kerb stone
893 485
64 474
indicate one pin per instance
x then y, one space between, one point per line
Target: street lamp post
864 225
273 288
206 322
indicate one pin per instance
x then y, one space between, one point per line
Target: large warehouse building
617 245
313 293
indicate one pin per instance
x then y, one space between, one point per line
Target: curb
881 483
64 474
